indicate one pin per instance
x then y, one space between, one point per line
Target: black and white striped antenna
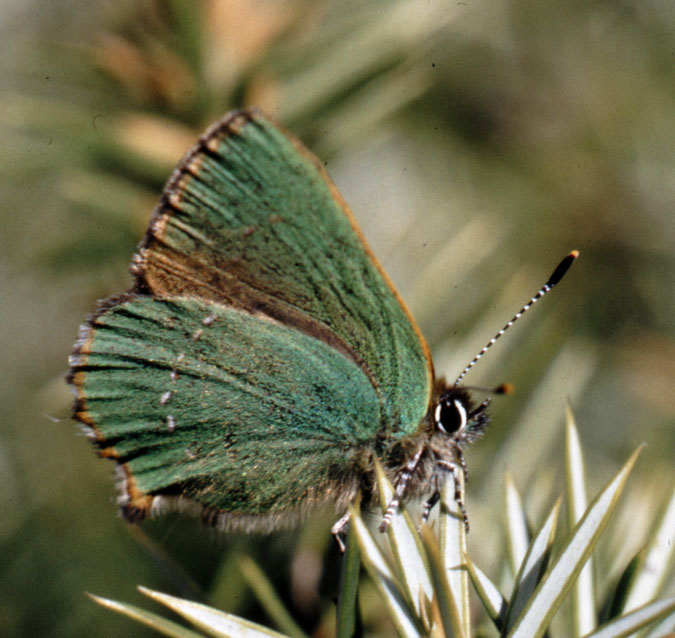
557 275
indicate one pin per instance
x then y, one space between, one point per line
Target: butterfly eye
450 416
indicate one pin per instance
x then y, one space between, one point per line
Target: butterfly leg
462 462
429 503
401 486
339 528
455 469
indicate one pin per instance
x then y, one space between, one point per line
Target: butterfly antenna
557 275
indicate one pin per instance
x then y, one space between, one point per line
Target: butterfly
262 360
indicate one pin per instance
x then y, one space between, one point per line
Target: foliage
422 576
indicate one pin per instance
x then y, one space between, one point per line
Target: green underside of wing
259 417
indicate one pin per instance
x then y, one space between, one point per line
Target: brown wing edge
135 504
229 124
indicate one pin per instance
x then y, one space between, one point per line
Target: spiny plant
423 574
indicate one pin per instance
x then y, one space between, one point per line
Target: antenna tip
504 388
562 269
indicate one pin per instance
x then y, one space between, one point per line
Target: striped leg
462 462
429 503
455 469
402 481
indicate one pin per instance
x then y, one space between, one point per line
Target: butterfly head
455 414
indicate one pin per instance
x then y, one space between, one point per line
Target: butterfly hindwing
237 413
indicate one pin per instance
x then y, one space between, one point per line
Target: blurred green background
476 142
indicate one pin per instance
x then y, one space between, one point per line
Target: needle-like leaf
549 594
583 591
406 546
385 580
638 619
533 566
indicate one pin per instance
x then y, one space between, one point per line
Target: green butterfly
263 360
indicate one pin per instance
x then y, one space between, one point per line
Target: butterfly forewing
250 219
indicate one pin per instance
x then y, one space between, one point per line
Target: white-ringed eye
450 416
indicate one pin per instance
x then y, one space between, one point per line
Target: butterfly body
262 360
